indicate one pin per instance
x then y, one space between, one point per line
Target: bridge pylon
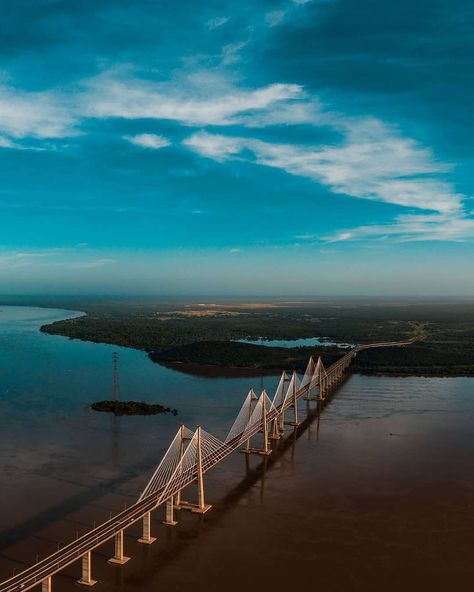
251 402
279 402
201 507
318 368
182 446
308 377
323 382
183 436
261 412
293 387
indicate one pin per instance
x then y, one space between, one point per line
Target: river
376 493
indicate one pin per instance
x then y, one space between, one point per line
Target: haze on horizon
310 147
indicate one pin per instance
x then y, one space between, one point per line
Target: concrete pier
169 520
119 558
146 537
86 579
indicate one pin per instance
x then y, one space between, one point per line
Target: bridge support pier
86 579
281 422
46 585
322 389
310 397
170 506
146 537
119 558
275 430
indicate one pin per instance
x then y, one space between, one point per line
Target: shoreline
204 358
218 371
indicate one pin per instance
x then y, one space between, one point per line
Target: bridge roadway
56 562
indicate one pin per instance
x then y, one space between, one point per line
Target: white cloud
213 145
372 161
235 250
148 140
35 114
19 259
414 227
274 17
290 112
67 258
196 99
217 22
6 143
230 52
188 102
375 163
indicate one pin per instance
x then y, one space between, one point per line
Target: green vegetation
202 334
422 359
131 408
163 325
231 354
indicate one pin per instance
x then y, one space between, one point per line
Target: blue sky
264 148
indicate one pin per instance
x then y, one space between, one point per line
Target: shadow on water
34 525
253 475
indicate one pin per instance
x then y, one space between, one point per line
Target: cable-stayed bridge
190 455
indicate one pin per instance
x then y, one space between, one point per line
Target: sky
285 147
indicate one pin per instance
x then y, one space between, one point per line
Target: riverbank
203 339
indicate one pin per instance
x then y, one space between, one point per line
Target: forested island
131 408
201 338
415 359
220 358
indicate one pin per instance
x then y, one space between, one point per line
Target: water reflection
303 342
371 492
51 446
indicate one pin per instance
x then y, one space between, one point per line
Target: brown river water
375 492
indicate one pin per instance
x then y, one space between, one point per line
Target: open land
200 337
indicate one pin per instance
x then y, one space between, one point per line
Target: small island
131 408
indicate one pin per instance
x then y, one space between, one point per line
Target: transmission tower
115 377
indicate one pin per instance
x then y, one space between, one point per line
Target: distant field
174 332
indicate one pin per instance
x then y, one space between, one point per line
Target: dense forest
231 354
205 334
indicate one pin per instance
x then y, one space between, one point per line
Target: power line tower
115 377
